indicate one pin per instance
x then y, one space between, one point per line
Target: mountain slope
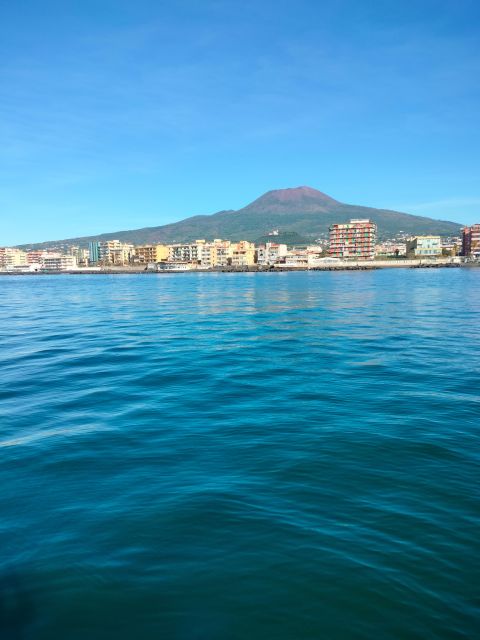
302 210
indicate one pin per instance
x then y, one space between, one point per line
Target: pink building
355 239
471 241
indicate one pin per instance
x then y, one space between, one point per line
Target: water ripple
230 456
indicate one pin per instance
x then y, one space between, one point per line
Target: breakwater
323 266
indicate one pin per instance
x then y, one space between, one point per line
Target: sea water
240 456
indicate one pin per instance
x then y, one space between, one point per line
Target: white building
58 262
296 258
424 247
174 265
271 253
188 252
31 267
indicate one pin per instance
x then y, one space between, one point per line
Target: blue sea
276 456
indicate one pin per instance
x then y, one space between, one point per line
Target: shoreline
330 267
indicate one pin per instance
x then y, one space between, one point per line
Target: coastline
371 266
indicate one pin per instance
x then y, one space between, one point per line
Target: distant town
349 245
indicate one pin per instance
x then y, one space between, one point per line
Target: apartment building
314 256
110 252
296 258
271 253
94 252
424 247
150 253
12 257
355 239
243 254
184 253
219 253
206 254
58 262
82 255
391 249
222 252
36 255
471 241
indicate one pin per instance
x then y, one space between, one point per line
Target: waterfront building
82 255
186 253
271 253
30 267
150 253
354 239
110 252
296 258
206 254
314 256
424 247
58 262
94 252
391 249
12 257
219 253
174 265
471 241
222 251
243 254
35 256
451 246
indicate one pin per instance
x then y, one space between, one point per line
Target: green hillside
302 210
290 238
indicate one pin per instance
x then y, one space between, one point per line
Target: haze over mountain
301 210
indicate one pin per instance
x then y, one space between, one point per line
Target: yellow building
243 254
12 257
221 253
150 253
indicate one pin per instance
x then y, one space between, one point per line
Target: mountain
301 210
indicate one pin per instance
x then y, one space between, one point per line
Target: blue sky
119 114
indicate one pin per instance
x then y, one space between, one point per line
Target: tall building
94 252
354 239
471 241
424 247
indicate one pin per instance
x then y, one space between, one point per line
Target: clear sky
118 114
